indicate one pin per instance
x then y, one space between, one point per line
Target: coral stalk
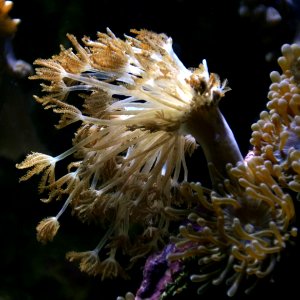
210 129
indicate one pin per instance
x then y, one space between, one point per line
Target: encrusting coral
141 112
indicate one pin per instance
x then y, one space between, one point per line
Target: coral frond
89 261
38 163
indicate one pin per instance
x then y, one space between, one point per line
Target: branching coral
141 111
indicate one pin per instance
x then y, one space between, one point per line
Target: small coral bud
89 261
47 229
128 296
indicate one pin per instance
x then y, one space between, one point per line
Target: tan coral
276 135
130 149
240 233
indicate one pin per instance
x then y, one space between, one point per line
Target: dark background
235 47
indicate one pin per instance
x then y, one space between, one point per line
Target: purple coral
158 273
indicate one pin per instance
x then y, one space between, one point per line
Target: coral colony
140 111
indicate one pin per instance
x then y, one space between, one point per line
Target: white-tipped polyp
205 67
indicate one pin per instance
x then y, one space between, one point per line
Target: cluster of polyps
141 112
